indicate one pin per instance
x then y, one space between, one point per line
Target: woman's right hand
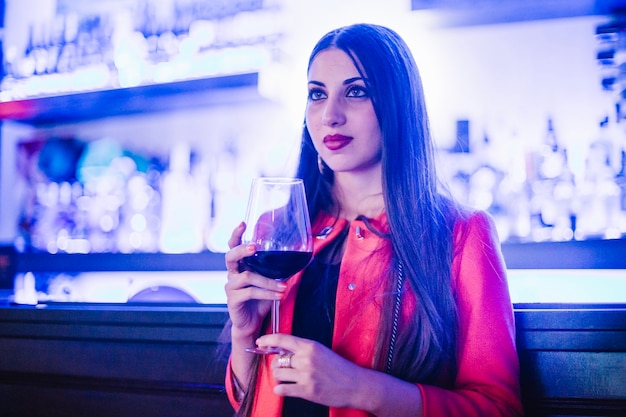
249 295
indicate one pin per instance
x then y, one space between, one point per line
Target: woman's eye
356 91
315 95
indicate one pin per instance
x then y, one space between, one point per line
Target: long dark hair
420 215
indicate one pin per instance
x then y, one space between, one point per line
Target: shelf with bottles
171 96
69 50
536 194
166 182
101 196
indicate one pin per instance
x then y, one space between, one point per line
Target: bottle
68 55
182 220
553 190
514 192
552 157
484 180
40 52
485 192
620 180
27 63
598 192
563 195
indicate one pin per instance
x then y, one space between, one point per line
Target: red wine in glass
276 264
278 225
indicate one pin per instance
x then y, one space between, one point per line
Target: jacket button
351 286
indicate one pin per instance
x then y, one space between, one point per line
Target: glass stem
275 316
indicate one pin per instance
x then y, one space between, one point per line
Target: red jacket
487 380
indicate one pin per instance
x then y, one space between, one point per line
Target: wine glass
278 225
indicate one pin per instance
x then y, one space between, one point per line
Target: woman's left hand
316 374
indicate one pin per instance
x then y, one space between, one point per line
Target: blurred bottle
55 43
484 184
620 181
552 156
68 59
182 217
27 63
514 192
40 52
598 193
140 212
553 190
226 194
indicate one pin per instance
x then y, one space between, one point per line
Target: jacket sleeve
487 380
230 388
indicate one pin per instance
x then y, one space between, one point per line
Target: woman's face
340 116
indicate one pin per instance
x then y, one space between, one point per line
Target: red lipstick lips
336 142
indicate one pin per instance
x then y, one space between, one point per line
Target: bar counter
168 359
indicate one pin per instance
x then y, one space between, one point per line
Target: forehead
332 62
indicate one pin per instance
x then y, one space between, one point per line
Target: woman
405 310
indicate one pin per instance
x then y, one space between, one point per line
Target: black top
314 314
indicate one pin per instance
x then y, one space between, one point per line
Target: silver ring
284 361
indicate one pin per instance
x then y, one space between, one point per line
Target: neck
359 195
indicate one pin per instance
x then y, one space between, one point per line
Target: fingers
287 342
291 369
253 287
312 372
235 237
234 256
284 365
243 285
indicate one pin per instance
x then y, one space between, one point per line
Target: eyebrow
346 82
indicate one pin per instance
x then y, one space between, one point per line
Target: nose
334 114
